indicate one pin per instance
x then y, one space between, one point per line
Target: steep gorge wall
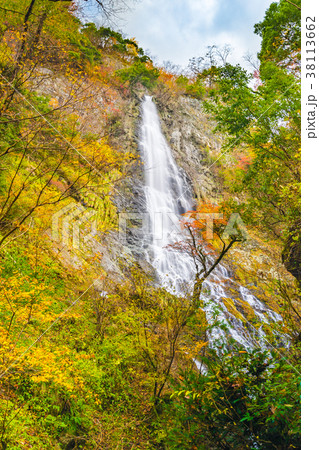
188 131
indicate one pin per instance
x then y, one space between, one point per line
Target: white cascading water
167 197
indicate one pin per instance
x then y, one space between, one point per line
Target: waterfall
168 196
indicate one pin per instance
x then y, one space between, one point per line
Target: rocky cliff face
189 132
196 149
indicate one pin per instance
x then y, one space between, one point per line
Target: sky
177 30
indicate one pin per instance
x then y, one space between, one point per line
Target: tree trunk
37 35
20 53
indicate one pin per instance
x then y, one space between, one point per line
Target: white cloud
177 30
202 12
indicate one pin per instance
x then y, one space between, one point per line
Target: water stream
168 196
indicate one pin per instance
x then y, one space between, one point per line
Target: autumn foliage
93 353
